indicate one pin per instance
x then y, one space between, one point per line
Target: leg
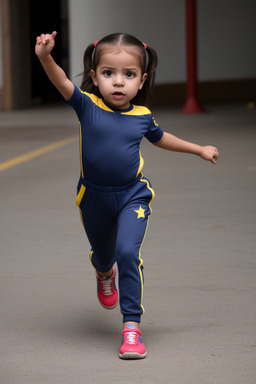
132 228
132 225
101 230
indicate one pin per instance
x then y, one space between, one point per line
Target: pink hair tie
95 43
145 45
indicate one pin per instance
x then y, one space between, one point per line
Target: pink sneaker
132 346
107 292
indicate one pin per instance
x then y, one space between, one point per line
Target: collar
118 110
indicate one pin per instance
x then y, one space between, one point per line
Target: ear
93 76
143 79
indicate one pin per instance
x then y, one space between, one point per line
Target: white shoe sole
132 355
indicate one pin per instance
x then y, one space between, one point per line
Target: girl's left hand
209 153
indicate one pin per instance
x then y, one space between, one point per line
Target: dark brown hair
148 65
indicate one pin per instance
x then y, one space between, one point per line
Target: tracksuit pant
115 220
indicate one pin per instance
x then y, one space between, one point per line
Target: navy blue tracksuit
113 196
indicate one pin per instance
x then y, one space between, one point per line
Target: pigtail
144 96
151 67
87 84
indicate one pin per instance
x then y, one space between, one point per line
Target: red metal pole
192 104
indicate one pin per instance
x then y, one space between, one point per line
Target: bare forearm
57 76
43 48
173 143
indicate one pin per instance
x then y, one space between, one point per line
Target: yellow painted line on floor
37 152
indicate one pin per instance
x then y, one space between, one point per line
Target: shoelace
106 286
130 338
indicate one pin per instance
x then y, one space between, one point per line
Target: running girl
113 195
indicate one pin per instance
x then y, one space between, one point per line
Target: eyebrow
131 69
126 68
107 66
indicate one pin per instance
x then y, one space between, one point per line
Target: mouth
118 95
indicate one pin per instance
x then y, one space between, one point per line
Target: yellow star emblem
140 212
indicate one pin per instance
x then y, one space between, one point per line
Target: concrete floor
199 258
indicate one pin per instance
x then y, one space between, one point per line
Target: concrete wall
226 39
226 34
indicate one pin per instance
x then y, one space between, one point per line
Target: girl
113 196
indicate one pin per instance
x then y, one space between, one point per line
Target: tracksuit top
110 139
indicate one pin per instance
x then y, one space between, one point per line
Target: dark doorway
51 15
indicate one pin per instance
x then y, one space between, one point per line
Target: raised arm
44 46
173 143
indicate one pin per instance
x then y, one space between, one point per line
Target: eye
129 74
107 73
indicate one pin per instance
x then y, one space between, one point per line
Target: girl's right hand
45 44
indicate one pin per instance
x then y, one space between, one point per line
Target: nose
118 81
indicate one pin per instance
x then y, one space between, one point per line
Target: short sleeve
154 133
76 101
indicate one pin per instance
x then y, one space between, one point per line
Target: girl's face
119 75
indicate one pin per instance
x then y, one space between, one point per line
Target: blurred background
200 266
226 42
